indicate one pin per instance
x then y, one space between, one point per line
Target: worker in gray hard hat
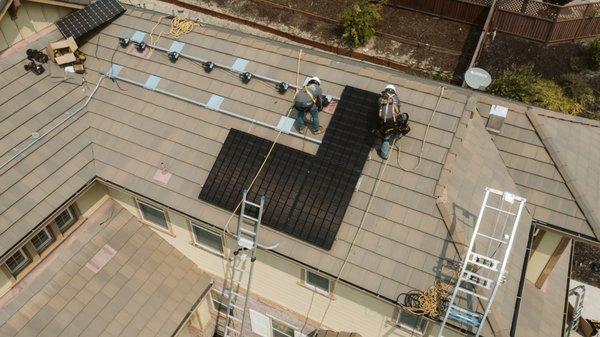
391 123
309 99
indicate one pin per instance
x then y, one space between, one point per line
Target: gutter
515 319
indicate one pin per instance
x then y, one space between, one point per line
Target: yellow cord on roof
179 27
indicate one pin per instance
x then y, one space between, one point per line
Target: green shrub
578 87
359 21
594 53
549 95
515 83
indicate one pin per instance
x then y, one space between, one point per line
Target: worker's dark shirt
308 96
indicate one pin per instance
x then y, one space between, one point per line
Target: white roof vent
496 119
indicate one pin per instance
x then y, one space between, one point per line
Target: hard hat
390 87
311 79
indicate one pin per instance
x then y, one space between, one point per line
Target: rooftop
418 217
114 276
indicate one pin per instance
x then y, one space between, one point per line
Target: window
219 302
17 262
42 240
281 329
411 322
316 281
65 219
207 238
154 215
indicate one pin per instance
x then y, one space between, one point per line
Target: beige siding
5 283
279 281
541 255
92 199
31 18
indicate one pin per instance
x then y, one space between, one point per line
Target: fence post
582 20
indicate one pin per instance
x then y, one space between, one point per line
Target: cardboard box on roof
62 52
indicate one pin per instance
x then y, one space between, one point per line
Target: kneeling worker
391 123
309 99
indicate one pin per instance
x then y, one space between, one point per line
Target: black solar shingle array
307 196
85 20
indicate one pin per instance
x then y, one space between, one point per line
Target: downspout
515 319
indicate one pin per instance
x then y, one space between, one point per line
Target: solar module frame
307 195
87 19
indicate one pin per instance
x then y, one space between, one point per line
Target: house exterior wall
277 283
541 256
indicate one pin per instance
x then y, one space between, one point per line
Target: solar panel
307 195
85 20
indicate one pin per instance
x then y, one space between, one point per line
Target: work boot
301 129
318 131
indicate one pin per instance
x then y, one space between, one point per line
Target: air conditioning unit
496 118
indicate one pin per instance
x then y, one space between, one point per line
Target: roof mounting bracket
214 102
239 65
152 82
114 70
138 37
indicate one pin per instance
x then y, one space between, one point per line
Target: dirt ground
583 257
403 23
549 62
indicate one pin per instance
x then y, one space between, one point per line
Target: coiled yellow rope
179 27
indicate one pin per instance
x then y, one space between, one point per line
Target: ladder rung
241 270
492 238
234 318
250 217
251 204
231 292
483 261
472 293
477 280
247 232
464 316
228 329
500 210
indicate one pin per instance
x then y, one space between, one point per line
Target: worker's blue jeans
314 113
386 145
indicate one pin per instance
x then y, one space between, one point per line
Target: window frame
213 293
157 208
279 321
421 322
51 240
22 265
315 287
68 224
210 232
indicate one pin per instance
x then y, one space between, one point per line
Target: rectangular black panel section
307 196
83 21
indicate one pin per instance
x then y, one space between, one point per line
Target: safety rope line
437 104
179 27
226 228
362 222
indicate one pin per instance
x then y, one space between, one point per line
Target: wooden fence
530 19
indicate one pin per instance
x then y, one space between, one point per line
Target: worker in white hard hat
309 100
391 123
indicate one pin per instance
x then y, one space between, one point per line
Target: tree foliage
515 83
359 21
594 54
549 95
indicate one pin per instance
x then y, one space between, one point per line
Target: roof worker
309 100
392 124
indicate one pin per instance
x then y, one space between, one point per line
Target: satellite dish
478 78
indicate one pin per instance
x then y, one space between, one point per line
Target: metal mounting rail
203 105
228 68
42 135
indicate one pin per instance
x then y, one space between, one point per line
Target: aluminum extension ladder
247 238
484 267
573 325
